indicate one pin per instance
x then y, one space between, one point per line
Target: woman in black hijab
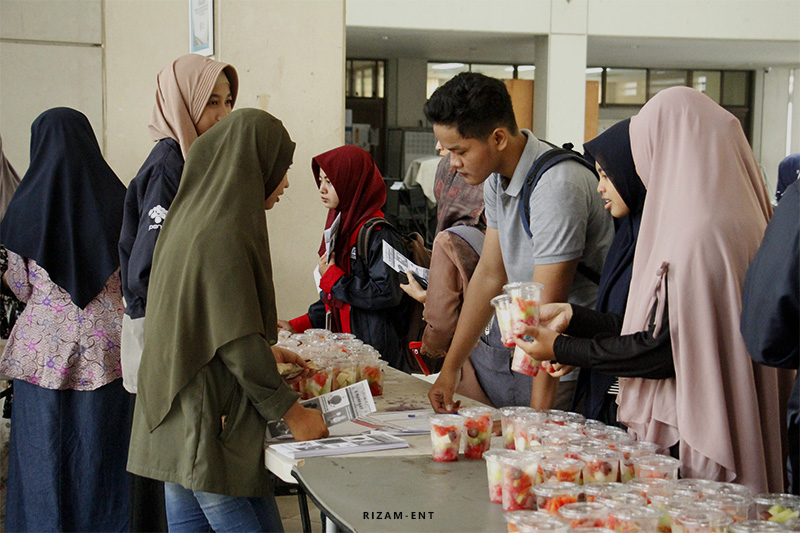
71 414
611 153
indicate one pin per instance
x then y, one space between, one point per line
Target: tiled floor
290 514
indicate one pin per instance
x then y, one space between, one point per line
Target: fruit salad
777 507
445 437
562 469
550 497
477 431
519 471
601 465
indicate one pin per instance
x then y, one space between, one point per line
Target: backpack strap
543 163
365 232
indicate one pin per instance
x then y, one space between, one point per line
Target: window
708 82
625 86
664 79
364 78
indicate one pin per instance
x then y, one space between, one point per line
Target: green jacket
193 447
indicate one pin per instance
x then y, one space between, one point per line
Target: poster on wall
201 27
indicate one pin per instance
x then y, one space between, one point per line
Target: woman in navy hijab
611 153
71 416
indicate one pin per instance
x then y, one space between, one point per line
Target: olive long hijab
212 273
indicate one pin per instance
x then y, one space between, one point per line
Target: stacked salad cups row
339 359
560 472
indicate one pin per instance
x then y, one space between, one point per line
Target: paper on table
400 263
377 440
414 422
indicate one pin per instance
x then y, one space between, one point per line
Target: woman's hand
282 355
305 424
284 324
556 369
541 348
555 316
324 264
414 289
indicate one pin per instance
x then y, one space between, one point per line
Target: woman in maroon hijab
360 295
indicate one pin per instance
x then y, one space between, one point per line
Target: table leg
305 518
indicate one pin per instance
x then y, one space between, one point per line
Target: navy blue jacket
147 201
771 308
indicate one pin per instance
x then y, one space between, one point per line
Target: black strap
364 232
543 163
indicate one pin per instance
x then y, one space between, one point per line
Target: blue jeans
193 511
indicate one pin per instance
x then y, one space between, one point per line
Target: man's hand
441 393
414 289
305 424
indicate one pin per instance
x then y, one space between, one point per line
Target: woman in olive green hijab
208 380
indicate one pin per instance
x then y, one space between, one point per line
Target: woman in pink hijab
702 222
192 94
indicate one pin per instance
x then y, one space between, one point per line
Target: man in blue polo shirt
473 118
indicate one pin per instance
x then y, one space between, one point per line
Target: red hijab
361 191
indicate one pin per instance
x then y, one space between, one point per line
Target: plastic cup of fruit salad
738 506
777 507
523 422
591 491
525 364
619 499
600 465
507 424
680 499
519 470
525 299
550 497
701 486
494 473
793 524
634 518
629 451
756 526
701 521
648 486
584 514
445 437
533 522
656 466
477 432
373 371
501 305
562 469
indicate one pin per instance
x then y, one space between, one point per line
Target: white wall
289 63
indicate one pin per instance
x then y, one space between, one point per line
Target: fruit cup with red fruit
494 473
601 465
446 437
507 422
502 311
656 466
562 469
533 522
701 520
519 470
525 299
373 372
523 424
634 518
584 514
477 433
629 451
736 505
550 497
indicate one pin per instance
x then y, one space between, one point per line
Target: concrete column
405 91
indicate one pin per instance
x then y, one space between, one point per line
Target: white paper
330 237
416 422
340 445
400 263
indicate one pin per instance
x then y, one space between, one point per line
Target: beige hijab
703 219
184 87
9 180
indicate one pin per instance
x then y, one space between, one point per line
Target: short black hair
474 104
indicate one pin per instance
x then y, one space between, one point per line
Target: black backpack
416 251
543 163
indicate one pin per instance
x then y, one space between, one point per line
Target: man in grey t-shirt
473 118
